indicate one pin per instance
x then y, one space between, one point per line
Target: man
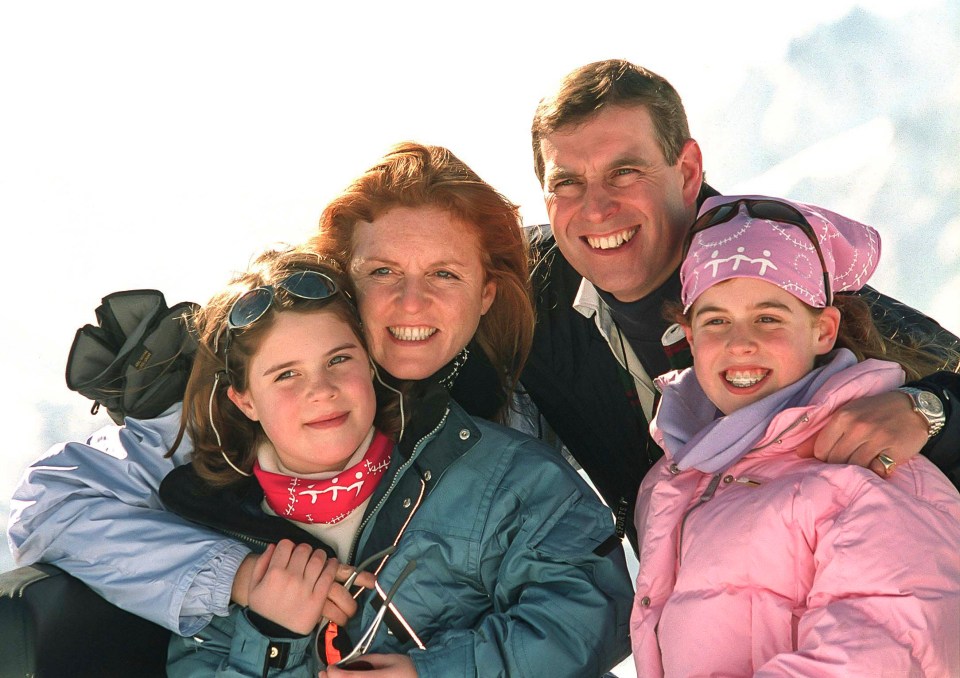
623 180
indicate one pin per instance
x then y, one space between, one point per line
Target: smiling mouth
412 333
329 420
611 242
745 378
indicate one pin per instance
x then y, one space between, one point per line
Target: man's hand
290 585
376 666
864 428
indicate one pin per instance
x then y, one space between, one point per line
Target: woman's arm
93 510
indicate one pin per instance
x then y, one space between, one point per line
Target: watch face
930 403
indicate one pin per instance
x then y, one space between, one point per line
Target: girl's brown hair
205 417
415 175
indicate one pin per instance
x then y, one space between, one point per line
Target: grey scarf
699 436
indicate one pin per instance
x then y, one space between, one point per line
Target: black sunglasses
773 210
254 304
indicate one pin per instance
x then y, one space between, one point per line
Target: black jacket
576 382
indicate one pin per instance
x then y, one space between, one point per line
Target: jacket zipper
715 482
247 538
779 439
704 498
393 484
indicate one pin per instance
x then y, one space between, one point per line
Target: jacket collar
441 432
233 510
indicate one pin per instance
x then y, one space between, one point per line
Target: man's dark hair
614 82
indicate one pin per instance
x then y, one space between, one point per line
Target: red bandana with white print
330 500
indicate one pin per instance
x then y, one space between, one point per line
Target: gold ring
888 463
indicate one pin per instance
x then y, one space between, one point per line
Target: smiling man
623 181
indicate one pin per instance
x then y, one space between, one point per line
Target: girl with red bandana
476 545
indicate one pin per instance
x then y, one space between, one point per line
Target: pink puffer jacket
785 566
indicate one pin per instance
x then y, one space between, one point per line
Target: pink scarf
331 500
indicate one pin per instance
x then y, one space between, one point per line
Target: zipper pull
711 489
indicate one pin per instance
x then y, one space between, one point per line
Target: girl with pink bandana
755 558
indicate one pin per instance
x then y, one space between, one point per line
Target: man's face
619 212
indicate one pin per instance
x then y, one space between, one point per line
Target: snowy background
158 145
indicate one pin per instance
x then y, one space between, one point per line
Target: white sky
149 144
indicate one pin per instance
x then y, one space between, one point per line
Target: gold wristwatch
928 406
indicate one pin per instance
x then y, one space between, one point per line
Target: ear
688 333
827 327
690 163
244 403
487 296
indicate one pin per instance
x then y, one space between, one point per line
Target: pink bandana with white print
330 500
780 253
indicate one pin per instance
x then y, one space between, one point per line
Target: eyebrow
776 305
384 261
292 363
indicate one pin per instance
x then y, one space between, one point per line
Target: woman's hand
383 666
290 585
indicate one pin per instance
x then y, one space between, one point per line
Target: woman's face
422 288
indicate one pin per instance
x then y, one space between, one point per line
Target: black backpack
136 363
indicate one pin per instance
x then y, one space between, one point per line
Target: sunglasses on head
772 210
252 305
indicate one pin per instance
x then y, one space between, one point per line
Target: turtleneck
337 535
469 377
642 322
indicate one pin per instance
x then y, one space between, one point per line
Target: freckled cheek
371 305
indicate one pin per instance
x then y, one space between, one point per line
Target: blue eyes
335 360
384 271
